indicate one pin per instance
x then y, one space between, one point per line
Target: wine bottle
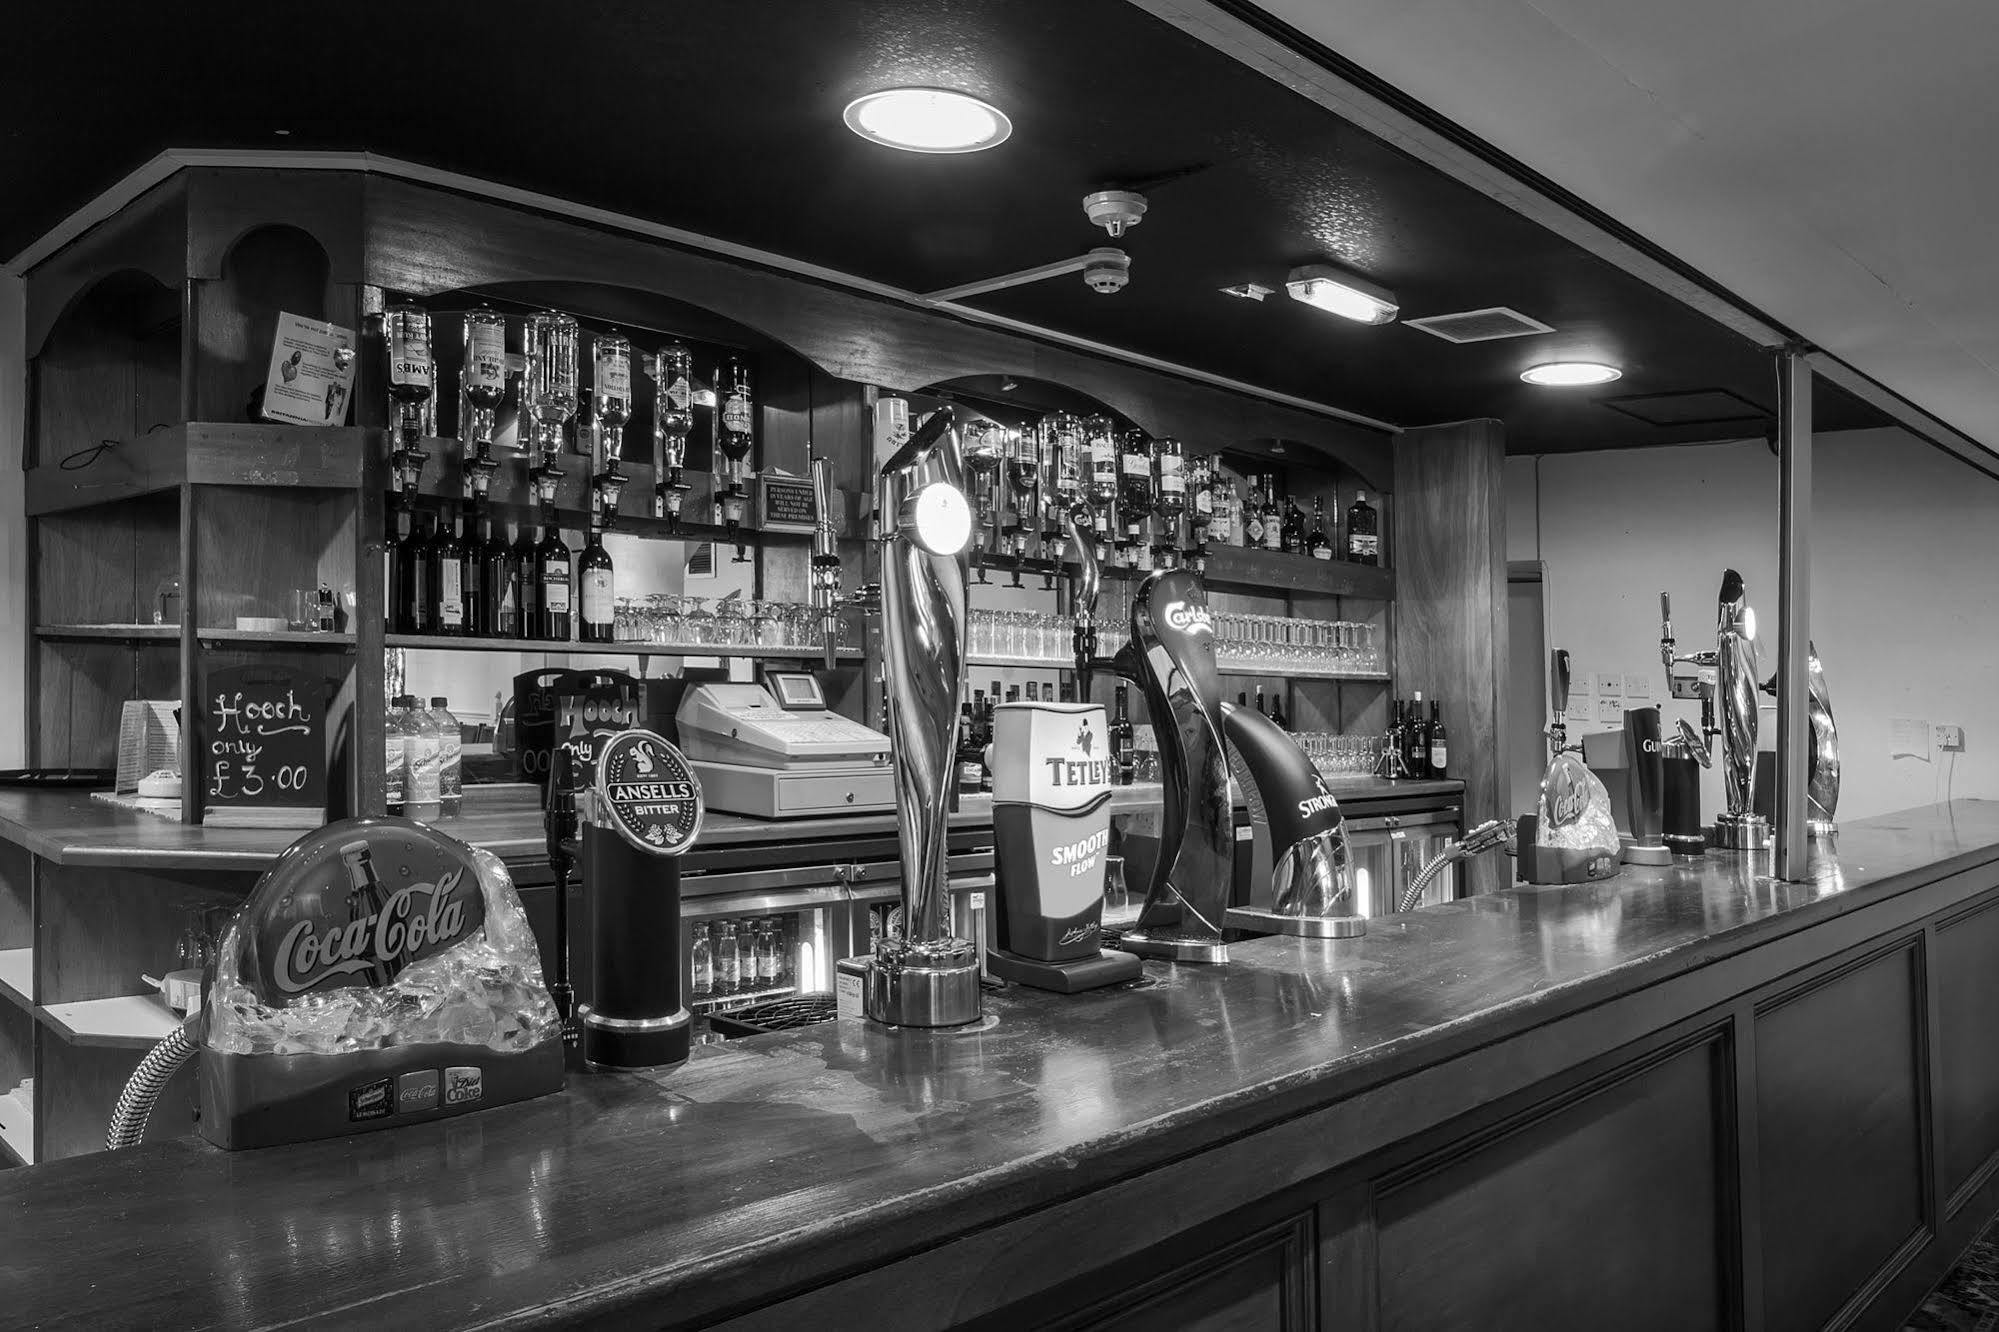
527 587
597 587
1122 738
450 578
1416 739
478 609
424 573
1273 521
499 582
400 603
1439 743
551 576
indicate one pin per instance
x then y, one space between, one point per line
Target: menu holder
261 741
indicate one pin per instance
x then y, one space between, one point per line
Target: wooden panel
424 240
254 547
1967 1076
1261 1282
1601 1211
149 235
1450 605
270 269
77 1089
1839 1148
17 898
100 929
224 204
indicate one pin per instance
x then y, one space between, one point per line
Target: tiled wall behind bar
1905 607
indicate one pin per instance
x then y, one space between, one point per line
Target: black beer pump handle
1559 674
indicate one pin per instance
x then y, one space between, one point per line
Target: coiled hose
1488 835
148 1080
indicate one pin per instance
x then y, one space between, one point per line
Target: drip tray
787 1014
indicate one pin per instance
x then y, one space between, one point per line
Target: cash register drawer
775 794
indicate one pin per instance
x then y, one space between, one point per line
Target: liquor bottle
596 588
1121 739
424 576
1416 739
1200 498
735 411
412 373
1294 526
1277 714
968 758
1136 495
728 961
1391 744
1252 516
499 582
1222 500
1048 691
1033 692
1363 531
551 575
1318 545
702 968
367 899
1259 702
450 758
611 375
450 552
1440 749
1273 521
1101 482
485 373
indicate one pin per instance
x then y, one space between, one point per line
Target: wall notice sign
311 376
262 744
786 504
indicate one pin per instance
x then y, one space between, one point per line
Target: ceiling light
1341 292
927 120
1249 291
1571 374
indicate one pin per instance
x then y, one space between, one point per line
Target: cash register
775 750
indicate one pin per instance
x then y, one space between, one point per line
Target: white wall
1905 607
13 523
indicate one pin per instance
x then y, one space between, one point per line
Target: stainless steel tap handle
826 558
1089 583
1822 781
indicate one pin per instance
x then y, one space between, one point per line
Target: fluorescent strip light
1342 293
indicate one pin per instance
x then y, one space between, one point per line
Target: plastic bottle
422 794
703 967
451 758
395 755
728 961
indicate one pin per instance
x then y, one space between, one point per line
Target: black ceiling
724 118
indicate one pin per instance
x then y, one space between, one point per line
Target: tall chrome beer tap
926 977
1741 828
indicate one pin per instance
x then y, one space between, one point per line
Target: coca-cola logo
422 917
1189 618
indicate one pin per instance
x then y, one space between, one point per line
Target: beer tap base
905 986
1071 977
1741 832
1821 829
1171 949
1635 852
614 1042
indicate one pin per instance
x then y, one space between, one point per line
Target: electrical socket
1609 685
1950 739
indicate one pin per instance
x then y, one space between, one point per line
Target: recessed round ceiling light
927 120
1570 374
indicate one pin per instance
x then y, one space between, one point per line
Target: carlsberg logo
1188 618
306 957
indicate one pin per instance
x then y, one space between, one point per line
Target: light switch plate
1950 739
1609 685
1638 688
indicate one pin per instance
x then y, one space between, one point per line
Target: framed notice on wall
261 748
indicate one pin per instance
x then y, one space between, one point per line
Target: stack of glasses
1339 755
1276 645
669 620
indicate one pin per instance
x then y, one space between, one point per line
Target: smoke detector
1106 269
1115 210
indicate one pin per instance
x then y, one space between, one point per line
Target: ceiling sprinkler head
1106 269
1115 210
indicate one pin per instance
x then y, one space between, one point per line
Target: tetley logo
1085 740
1189 618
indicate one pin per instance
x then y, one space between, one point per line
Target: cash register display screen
795 689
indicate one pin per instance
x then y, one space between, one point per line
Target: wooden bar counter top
1620 1104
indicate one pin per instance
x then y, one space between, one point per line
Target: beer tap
735 426
826 595
672 371
1741 828
1698 685
1083 593
562 826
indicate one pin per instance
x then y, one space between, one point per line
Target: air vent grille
1690 408
1480 325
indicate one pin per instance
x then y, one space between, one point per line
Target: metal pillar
1794 576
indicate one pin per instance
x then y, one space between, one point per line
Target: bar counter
70 828
1664 1072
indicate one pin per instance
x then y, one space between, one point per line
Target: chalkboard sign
262 747
542 698
786 504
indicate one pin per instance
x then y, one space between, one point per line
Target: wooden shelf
1232 568
1225 668
546 648
17 1128
17 976
207 453
280 638
131 1021
124 633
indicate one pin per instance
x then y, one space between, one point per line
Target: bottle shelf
206 453
446 643
1229 568
17 1128
169 633
723 1003
1266 669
